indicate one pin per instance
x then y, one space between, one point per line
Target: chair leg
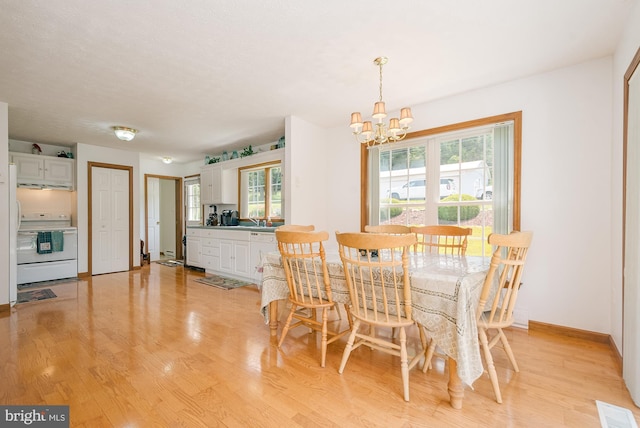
313 317
285 329
349 318
507 349
349 347
323 345
404 363
337 309
428 356
484 342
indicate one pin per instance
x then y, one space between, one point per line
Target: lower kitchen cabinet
194 249
211 253
234 258
225 252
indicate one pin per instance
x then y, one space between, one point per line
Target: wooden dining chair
303 258
395 229
296 228
441 239
384 280
498 299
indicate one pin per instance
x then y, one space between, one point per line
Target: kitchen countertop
240 227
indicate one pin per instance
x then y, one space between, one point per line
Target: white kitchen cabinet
218 185
210 253
194 248
44 170
225 252
235 258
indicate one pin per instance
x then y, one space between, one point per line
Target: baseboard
616 354
5 307
580 334
83 275
569 332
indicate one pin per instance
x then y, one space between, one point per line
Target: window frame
516 117
266 166
189 181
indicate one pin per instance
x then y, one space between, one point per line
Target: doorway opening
163 217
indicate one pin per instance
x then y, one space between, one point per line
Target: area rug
33 295
47 283
171 263
223 282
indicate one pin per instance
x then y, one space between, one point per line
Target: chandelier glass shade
383 133
124 133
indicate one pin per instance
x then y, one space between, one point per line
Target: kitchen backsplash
45 200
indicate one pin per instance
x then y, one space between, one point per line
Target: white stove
47 247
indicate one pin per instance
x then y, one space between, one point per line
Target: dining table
445 290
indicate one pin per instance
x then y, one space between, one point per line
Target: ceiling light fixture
167 160
395 131
124 133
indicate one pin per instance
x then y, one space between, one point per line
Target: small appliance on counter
229 218
213 217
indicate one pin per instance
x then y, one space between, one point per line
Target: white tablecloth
444 294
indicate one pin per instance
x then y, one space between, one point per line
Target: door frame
178 208
90 165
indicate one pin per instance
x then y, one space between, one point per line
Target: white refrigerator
14 223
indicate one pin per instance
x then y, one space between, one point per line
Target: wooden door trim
90 165
635 63
178 207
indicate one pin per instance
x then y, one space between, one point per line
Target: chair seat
369 319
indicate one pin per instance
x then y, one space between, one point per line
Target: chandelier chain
380 81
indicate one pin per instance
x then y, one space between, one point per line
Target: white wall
4 197
566 174
308 167
627 48
87 153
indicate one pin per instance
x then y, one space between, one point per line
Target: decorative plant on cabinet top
247 151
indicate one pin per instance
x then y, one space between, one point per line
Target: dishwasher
260 243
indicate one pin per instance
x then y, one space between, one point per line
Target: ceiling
202 76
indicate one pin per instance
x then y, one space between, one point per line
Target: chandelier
383 133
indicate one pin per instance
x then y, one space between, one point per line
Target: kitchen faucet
255 221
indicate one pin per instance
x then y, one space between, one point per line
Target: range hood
42 186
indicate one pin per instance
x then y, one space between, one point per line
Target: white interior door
631 335
153 217
110 220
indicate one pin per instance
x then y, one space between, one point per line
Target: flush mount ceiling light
167 160
124 133
395 131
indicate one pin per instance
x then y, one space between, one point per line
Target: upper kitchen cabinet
44 171
218 185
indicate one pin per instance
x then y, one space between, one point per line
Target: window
465 175
261 191
193 208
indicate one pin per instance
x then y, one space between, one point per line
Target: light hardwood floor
154 348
